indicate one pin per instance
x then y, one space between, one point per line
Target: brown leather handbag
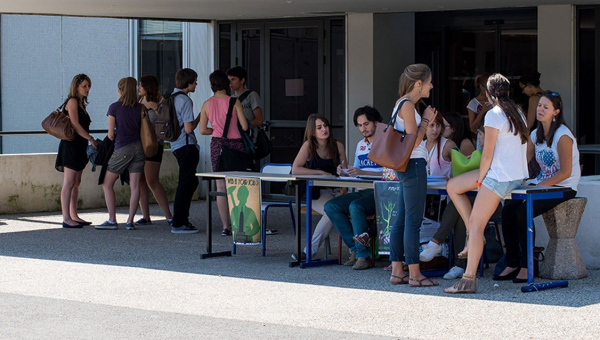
392 148
148 135
58 124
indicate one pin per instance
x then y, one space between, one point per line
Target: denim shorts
501 189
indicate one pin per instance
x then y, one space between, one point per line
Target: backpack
167 125
262 143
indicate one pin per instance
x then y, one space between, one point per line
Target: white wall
556 54
40 56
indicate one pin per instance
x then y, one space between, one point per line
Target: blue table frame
527 193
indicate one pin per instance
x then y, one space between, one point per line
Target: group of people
503 135
124 153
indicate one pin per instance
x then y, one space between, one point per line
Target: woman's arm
447 151
204 129
565 158
111 127
71 108
240 115
530 149
467 147
407 113
298 167
532 110
491 134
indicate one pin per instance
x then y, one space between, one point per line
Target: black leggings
514 226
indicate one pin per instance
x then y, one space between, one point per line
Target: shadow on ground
39 236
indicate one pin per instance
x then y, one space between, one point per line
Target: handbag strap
228 117
395 114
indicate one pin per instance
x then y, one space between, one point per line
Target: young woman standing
72 157
415 84
150 97
530 85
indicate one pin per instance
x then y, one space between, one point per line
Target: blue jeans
359 205
404 233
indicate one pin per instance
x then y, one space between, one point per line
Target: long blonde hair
128 87
412 74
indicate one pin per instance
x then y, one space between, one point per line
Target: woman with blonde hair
150 97
124 123
72 158
415 84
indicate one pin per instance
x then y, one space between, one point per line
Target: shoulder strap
244 95
395 115
228 118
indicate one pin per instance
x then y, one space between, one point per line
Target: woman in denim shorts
124 123
503 168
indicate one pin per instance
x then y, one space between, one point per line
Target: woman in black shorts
150 97
72 157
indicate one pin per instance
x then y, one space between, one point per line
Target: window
161 50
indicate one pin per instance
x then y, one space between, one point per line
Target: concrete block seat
562 259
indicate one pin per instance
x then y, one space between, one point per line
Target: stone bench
563 260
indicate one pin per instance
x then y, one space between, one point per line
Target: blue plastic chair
275 168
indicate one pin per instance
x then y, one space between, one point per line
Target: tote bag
392 148
148 135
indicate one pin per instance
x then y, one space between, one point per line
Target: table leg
529 204
298 225
209 252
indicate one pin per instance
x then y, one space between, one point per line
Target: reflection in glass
160 51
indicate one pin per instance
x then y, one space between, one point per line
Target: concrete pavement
148 283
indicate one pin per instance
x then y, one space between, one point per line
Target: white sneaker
454 273
430 250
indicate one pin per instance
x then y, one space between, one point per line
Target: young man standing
358 204
249 99
186 150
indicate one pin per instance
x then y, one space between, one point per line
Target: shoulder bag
58 124
148 135
392 148
231 159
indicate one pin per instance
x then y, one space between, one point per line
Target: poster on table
386 202
243 195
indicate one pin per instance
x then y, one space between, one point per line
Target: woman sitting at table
556 153
454 129
319 155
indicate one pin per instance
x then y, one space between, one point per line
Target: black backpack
262 143
167 125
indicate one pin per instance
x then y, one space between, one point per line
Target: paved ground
72 284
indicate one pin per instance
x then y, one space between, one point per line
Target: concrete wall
379 47
31 184
556 54
40 56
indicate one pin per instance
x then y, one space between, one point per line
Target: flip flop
401 278
433 283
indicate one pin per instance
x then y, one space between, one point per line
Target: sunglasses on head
555 94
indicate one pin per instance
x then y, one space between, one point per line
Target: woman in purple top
124 122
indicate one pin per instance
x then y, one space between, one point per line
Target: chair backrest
276 168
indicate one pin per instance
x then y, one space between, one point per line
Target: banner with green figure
386 201
243 195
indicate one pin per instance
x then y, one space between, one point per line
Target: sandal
466 285
401 278
426 279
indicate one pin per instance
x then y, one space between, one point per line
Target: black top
318 163
73 154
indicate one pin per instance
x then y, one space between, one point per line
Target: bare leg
109 194
223 205
457 187
74 199
134 184
152 172
69 179
144 195
485 204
